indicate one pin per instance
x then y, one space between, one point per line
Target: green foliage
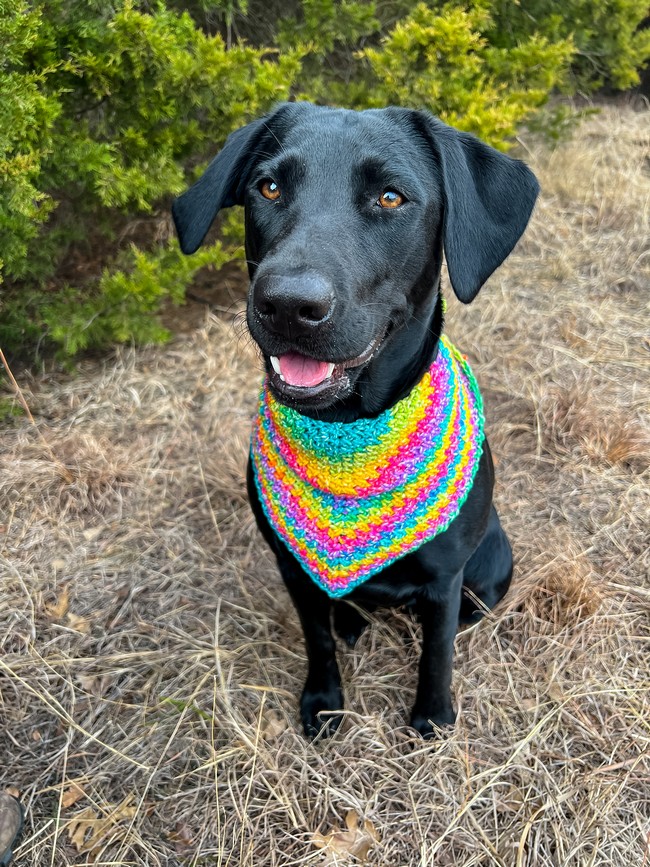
610 46
122 306
443 61
325 23
108 110
158 91
26 120
119 307
210 13
330 32
105 109
10 409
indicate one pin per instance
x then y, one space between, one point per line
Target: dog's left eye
270 190
390 199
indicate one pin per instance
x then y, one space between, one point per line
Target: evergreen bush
611 43
444 59
108 110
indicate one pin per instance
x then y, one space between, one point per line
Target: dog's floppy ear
221 186
488 200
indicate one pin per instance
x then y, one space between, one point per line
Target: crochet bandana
350 498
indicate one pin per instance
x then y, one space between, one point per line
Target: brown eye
390 199
270 190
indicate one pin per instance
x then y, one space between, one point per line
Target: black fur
333 273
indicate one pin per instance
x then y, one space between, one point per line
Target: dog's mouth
298 379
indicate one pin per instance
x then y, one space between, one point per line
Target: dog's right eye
390 199
270 190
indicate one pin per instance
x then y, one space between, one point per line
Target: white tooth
330 369
275 364
282 378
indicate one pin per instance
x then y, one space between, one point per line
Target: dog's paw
433 725
318 711
348 623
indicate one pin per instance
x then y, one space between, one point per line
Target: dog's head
347 215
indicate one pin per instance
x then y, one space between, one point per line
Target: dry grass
151 661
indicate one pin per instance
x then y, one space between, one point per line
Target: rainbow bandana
348 499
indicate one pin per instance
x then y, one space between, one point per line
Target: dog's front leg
438 611
322 692
323 687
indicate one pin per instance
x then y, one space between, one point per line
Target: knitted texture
348 499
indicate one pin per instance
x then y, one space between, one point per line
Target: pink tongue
299 370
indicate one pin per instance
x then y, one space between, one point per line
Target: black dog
347 215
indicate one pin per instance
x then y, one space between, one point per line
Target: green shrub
123 103
331 32
443 61
107 110
26 119
610 46
123 306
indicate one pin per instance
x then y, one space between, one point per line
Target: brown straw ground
151 661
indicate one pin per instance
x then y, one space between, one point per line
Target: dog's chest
351 500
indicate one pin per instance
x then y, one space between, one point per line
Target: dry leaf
59 609
79 624
181 836
12 790
512 800
86 830
57 565
356 840
82 823
71 795
95 684
273 726
91 533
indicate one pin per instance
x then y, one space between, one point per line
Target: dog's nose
293 305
